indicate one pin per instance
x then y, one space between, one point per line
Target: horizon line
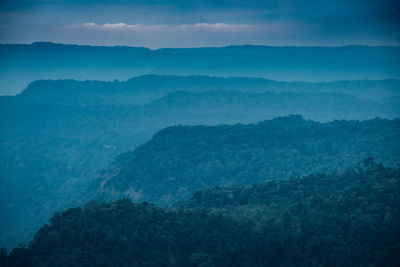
198 47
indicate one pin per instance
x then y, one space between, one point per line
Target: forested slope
344 219
180 160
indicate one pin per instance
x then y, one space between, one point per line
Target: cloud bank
135 27
183 23
184 35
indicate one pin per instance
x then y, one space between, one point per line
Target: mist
199 133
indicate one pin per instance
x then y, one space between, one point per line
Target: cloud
216 26
185 35
135 27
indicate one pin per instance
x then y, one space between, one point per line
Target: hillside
347 219
213 107
58 135
180 160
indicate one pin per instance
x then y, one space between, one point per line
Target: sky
198 23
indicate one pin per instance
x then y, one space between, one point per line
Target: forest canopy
346 219
180 160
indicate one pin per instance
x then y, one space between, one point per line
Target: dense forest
348 218
182 159
56 136
199 133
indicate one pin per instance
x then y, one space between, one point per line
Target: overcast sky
194 23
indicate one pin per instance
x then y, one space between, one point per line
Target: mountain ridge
25 63
48 44
164 84
183 159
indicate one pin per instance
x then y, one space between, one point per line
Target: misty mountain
144 89
22 64
232 106
56 136
354 213
199 133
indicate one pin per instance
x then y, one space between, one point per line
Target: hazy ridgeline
56 136
22 64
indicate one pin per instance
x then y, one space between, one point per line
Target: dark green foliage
57 135
127 234
180 160
347 219
344 219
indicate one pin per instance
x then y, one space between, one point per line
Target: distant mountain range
144 89
22 64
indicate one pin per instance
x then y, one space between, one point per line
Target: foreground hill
180 160
347 219
57 135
